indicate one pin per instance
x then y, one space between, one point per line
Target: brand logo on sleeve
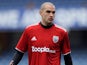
55 39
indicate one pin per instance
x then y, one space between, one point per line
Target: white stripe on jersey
60 27
67 53
31 25
19 50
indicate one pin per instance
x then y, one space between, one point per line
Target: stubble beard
49 23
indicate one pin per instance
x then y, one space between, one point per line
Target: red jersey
44 45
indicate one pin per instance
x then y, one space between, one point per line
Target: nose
51 14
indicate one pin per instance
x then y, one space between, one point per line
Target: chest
45 38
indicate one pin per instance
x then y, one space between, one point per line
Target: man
44 42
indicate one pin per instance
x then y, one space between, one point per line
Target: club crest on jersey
55 39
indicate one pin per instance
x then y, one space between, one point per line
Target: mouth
51 19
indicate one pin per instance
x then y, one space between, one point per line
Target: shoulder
33 26
60 28
30 28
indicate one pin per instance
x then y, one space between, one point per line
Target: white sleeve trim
19 50
67 53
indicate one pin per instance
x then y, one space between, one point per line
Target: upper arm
66 44
23 42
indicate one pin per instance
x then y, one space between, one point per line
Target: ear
40 12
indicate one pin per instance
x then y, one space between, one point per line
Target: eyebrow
48 11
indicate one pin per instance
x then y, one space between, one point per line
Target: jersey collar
49 26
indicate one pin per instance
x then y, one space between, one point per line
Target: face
48 14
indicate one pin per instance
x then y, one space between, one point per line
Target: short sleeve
22 43
66 44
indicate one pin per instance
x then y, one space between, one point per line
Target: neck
46 25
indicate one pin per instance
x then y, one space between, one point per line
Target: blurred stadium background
15 15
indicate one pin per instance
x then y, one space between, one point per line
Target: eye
53 12
48 11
